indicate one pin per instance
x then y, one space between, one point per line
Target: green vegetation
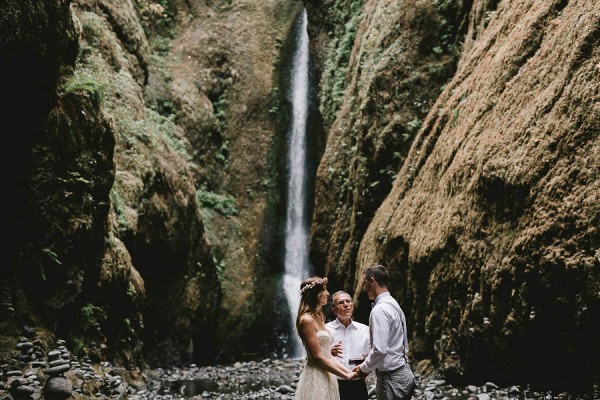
61 129
450 11
220 109
156 125
219 266
90 316
87 84
53 256
414 125
78 345
158 17
455 115
333 82
119 209
131 292
224 204
275 100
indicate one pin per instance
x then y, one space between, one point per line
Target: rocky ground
57 374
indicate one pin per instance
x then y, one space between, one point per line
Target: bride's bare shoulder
307 320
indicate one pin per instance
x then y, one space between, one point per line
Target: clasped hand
357 373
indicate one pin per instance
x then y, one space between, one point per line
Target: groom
389 343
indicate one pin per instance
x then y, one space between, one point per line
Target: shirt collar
339 324
381 296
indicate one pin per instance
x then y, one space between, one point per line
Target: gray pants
398 384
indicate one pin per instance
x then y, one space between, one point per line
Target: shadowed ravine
152 219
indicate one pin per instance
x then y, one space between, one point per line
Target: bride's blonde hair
310 289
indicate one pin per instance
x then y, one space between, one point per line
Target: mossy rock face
38 38
382 66
453 162
127 25
127 111
469 171
224 90
70 177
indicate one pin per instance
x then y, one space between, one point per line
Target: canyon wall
143 170
140 178
463 155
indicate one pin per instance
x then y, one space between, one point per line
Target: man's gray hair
339 292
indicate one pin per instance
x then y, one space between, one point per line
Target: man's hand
336 350
359 373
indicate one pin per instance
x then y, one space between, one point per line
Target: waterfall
297 265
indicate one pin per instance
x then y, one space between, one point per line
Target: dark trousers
353 390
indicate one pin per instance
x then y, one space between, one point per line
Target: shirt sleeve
380 328
366 343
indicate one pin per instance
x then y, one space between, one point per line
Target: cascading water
297 265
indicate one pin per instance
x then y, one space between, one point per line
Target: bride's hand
352 375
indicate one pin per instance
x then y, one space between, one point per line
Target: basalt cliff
139 170
143 166
462 153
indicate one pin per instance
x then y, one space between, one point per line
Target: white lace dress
315 383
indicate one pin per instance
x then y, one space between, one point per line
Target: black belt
353 382
380 372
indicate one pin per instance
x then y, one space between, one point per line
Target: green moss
333 82
131 292
224 204
93 28
119 210
90 316
87 84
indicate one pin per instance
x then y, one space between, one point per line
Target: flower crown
311 285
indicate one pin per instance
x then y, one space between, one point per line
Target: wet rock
285 389
23 391
513 391
58 370
265 379
58 388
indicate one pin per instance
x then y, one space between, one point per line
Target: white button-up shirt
387 326
355 340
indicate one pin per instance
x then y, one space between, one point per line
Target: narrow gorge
145 172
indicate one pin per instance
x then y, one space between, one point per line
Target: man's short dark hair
379 272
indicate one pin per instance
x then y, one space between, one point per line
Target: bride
316 381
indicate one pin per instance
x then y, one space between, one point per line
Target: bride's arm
307 329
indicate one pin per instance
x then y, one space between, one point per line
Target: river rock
58 370
23 391
58 388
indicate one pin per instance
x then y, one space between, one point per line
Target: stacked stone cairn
6 302
57 375
114 386
21 375
59 361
